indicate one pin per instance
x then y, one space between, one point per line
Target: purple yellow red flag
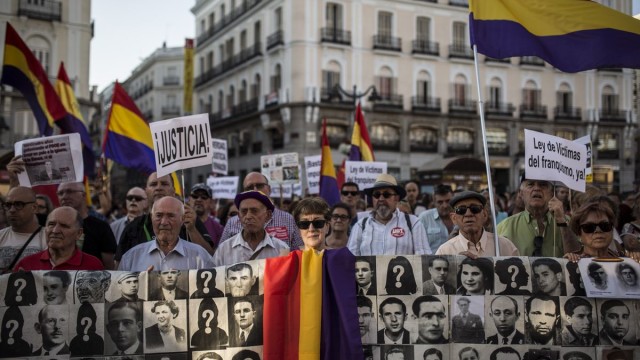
328 182
361 149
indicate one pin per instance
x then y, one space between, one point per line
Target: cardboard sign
224 187
281 168
312 166
364 173
181 143
220 162
51 160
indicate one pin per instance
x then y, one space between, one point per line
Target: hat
386 181
254 194
125 275
201 187
464 195
462 298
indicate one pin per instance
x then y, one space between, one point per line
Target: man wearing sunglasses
470 214
350 194
386 230
136 204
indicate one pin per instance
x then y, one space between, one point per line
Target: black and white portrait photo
579 320
168 285
598 278
475 276
548 277
242 279
208 323
56 286
627 275
366 275
505 352
209 355
123 323
245 321
616 319
574 279
167 356
393 319
12 342
86 327
206 283
397 276
51 325
165 324
439 275
542 320
431 352
396 352
367 318
504 320
467 323
467 352
540 352
91 286
512 276
577 353
20 289
127 286
431 315
250 353
616 354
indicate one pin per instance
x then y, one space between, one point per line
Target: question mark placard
86 322
398 271
207 314
13 325
20 284
207 275
513 270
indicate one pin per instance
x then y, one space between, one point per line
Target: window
256 87
231 97
202 65
566 134
530 96
564 98
459 34
243 40
220 100
609 100
460 91
171 100
276 79
422 29
334 16
229 49
242 93
607 145
336 134
257 32
331 76
385 136
278 18
423 85
497 141
386 83
423 138
460 140
385 24
210 60
203 26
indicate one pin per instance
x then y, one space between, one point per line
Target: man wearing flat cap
469 214
387 230
255 209
129 286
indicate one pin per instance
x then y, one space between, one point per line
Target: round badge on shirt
397 232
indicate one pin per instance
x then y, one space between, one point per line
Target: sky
127 31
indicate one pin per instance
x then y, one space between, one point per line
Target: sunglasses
340 217
317 224
256 186
135 197
347 193
386 195
537 243
475 209
590 228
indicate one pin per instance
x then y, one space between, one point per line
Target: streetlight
339 92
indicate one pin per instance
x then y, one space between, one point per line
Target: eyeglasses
337 217
67 192
386 195
590 228
317 224
347 193
537 243
256 186
201 197
135 197
475 209
18 205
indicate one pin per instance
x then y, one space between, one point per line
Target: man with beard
240 280
393 313
504 312
579 320
365 313
432 317
365 275
136 204
386 230
548 277
437 221
169 289
92 285
53 326
614 317
439 270
542 319
201 200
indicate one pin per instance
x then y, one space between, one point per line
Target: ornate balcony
336 36
385 42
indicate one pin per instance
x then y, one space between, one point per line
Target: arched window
608 145
609 101
460 141
386 83
385 137
337 134
495 94
242 92
497 141
530 96
423 138
256 88
330 78
460 91
423 87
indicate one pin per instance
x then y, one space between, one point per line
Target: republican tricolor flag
361 149
328 182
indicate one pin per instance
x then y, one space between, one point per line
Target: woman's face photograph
163 316
472 279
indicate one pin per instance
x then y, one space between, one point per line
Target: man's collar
240 241
179 248
75 259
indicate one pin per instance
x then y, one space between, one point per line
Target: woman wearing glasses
312 217
593 223
340 222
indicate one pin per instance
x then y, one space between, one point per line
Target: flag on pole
23 71
361 149
328 182
73 122
571 35
127 139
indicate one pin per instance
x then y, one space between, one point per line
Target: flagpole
486 153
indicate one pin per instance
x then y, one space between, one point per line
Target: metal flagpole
486 153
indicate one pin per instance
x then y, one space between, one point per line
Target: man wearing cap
541 229
470 214
167 250
281 225
255 209
387 230
136 204
129 286
201 200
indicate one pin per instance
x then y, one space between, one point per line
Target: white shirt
11 242
485 247
237 250
169 294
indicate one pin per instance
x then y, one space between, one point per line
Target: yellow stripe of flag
310 305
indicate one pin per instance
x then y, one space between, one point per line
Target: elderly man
136 204
63 230
141 229
98 238
437 221
578 313
53 326
24 236
386 230
280 224
255 209
129 286
431 315
541 229
168 250
240 280
504 312
470 214
92 285
201 200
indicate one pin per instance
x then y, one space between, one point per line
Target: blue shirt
184 256
437 232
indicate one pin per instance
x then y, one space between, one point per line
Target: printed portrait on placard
245 321
13 331
366 275
55 285
91 286
86 327
207 283
209 355
598 276
542 320
396 352
432 317
512 276
574 279
242 279
123 323
627 276
168 356
431 352
396 275
616 320
165 323
616 354
504 320
393 320
475 276
21 289
168 285
51 337
127 286
542 352
439 275
577 353
467 352
208 323
548 276
367 318
506 352
579 320
250 353
467 323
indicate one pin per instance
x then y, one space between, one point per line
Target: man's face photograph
431 321
628 276
364 319
504 315
123 327
543 317
469 355
129 286
240 282
598 276
393 318
244 314
53 326
55 293
546 279
615 322
581 321
169 278
363 273
91 285
439 270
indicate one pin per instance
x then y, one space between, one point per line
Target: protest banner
364 173
51 160
312 167
223 187
220 162
281 168
297 189
284 191
588 171
553 158
610 279
181 143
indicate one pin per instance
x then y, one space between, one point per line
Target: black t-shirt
98 237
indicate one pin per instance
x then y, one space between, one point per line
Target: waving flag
571 35
308 310
361 149
127 139
23 71
328 181
73 122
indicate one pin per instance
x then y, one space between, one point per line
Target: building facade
267 72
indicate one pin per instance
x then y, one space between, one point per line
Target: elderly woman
312 217
593 223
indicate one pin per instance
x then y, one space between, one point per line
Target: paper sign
610 279
285 191
224 187
364 173
181 143
312 166
281 168
220 163
51 160
553 158
297 189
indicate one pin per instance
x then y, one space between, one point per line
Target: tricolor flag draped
571 35
73 122
361 149
309 312
23 71
328 182
127 139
